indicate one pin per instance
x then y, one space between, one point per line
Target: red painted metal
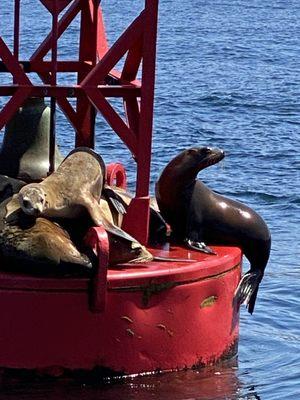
97 239
116 175
157 316
166 315
97 80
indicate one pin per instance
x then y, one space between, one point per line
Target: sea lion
197 215
9 186
75 186
71 191
116 201
24 152
36 244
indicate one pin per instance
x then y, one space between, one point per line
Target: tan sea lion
197 215
28 242
75 186
72 190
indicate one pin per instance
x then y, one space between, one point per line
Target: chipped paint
126 318
161 326
155 288
208 302
130 332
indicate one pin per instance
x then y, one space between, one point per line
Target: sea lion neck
181 173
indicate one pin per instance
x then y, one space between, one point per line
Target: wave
266 197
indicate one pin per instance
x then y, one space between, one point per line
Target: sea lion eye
192 151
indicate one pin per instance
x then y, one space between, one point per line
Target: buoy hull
155 324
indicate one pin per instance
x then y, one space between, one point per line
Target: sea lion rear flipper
158 229
113 229
199 246
246 291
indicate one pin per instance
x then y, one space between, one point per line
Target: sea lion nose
27 204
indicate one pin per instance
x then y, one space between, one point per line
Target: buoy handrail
97 239
116 175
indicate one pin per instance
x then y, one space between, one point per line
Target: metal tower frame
97 80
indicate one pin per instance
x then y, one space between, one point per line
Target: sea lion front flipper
114 200
194 232
199 246
12 210
115 230
247 289
95 211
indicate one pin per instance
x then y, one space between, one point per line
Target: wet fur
196 212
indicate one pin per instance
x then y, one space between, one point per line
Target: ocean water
228 76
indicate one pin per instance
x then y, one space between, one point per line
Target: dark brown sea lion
9 186
29 244
24 152
117 200
197 215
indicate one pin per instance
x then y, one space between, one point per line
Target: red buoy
157 316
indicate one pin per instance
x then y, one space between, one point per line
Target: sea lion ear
207 150
192 151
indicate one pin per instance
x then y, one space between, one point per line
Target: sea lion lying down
36 243
69 197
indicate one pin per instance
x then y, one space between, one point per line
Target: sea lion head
184 168
202 157
32 200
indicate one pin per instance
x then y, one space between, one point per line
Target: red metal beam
97 240
63 24
115 53
59 6
132 111
12 64
16 28
19 77
102 45
147 98
96 81
128 91
85 130
115 121
133 61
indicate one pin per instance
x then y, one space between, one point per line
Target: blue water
228 75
